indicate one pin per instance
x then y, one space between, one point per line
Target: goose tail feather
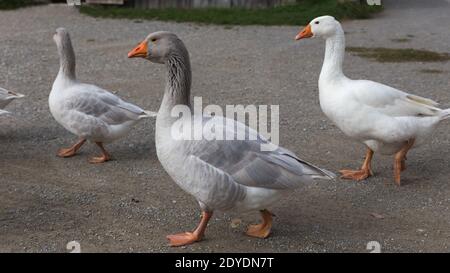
445 114
148 114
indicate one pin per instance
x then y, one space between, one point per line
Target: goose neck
334 57
178 84
66 60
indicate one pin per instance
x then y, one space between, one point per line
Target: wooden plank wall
145 4
110 2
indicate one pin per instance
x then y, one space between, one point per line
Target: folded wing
95 102
244 161
393 102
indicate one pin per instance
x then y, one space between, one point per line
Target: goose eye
317 22
153 39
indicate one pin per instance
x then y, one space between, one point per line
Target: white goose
221 175
386 120
86 110
7 96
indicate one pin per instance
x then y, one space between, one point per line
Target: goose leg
399 160
261 230
100 159
403 166
363 173
68 152
187 238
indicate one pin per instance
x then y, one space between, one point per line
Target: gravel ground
130 204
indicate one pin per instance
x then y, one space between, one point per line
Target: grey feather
249 165
96 102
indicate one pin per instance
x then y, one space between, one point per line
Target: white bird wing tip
327 175
149 114
16 95
423 101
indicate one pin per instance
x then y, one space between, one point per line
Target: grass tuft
401 40
431 71
396 55
296 14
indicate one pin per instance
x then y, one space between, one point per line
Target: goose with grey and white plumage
86 110
221 175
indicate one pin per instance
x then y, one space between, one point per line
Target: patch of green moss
431 71
401 40
396 55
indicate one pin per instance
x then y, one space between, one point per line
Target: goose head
159 47
61 36
323 26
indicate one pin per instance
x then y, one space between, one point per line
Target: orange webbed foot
182 239
357 175
261 230
99 159
69 152
187 238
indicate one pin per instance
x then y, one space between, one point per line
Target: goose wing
391 101
247 164
93 101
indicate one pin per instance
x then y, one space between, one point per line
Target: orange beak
140 51
305 33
